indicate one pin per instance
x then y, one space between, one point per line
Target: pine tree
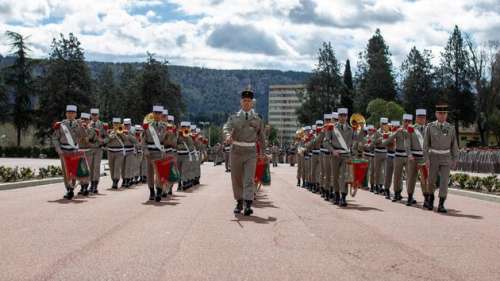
20 79
377 79
418 81
347 98
456 81
67 81
324 88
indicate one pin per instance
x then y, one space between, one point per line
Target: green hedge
481 184
9 174
27 152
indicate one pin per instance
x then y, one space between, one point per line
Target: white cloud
278 33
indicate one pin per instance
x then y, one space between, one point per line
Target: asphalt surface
293 235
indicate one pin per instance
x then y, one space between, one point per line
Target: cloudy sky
264 34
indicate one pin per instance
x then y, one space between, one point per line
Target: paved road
293 235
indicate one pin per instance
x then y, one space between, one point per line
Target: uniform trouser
340 173
389 169
174 155
371 171
143 170
227 160
152 179
378 168
115 161
275 159
69 184
327 171
291 159
243 162
300 167
128 165
307 164
439 166
94 160
137 165
87 154
412 177
316 168
333 174
400 163
183 164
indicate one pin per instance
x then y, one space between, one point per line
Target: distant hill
209 93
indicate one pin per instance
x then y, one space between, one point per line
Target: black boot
124 183
303 184
248 208
239 207
164 194
170 190
396 196
327 195
430 204
441 208
336 200
82 189
180 186
159 192
85 188
409 202
426 201
372 189
387 194
144 179
298 182
93 189
115 184
151 194
69 194
343 201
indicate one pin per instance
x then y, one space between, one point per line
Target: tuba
120 130
149 118
357 122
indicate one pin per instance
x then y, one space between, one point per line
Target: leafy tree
378 108
67 81
376 77
418 81
4 101
107 94
324 88
456 79
19 78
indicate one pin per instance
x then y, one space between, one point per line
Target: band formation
333 155
155 152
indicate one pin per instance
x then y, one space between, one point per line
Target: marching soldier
440 151
300 156
154 134
65 137
84 144
316 156
116 151
170 146
307 158
341 144
390 145
140 166
380 155
416 158
183 154
244 130
369 155
292 154
129 157
401 162
326 158
218 152
96 144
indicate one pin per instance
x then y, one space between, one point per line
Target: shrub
488 183
473 183
462 179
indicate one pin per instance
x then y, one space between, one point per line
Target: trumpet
185 132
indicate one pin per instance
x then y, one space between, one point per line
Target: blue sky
270 34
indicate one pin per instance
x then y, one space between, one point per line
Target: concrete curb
30 183
476 195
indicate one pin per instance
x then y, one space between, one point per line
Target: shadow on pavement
456 213
262 202
66 201
240 218
351 206
159 204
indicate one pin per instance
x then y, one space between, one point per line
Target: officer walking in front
441 151
244 130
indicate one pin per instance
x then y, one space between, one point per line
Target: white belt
115 149
391 155
439 151
381 150
369 154
324 150
244 144
403 154
68 147
153 146
417 152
